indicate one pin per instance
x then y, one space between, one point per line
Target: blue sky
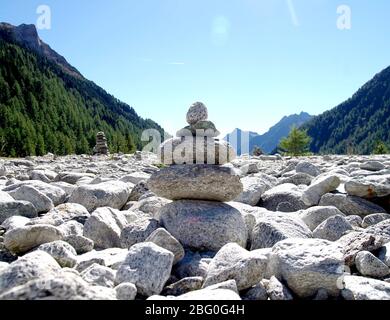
250 61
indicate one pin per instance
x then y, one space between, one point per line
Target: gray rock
138 191
164 239
138 231
99 275
298 179
151 206
369 265
73 177
277 291
332 228
63 213
350 205
283 193
374 219
183 286
380 229
27 193
15 222
111 258
307 265
104 227
65 286
198 181
308 168
126 291
355 221
320 186
275 227
42 175
135 177
314 216
354 242
80 243
16 208
21 240
197 112
29 267
256 293
254 187
233 262
194 264
148 266
208 150
361 288
204 225
367 189
66 187
372 166
113 194
56 194
62 252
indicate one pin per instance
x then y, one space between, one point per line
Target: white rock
312 195
164 239
104 227
31 266
314 216
126 291
332 228
204 225
307 265
62 252
21 240
113 194
148 266
247 268
275 227
56 194
99 275
361 288
369 265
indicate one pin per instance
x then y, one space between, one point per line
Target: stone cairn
101 147
199 182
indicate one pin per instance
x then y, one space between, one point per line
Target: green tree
297 143
380 148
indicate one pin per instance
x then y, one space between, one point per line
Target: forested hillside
356 125
44 108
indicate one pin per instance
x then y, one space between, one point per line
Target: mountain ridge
270 139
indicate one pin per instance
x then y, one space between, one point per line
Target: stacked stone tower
197 180
101 147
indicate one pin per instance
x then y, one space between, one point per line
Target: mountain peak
27 36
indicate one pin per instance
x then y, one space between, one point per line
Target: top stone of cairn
197 112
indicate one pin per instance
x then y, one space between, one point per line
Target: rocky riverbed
94 227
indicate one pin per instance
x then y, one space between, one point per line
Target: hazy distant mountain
269 140
355 125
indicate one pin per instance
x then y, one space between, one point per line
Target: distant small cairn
101 147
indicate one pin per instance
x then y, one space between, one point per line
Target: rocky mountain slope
46 105
269 140
355 125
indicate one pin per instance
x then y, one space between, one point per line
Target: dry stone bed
252 228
